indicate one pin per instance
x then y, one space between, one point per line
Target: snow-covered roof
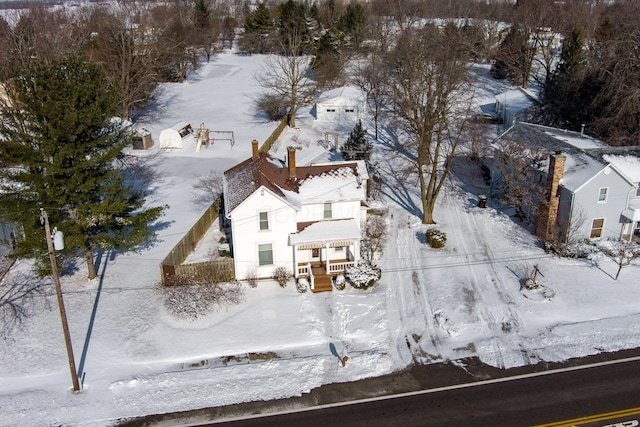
629 165
586 156
327 182
516 100
344 95
580 168
327 231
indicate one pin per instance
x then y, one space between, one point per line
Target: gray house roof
586 156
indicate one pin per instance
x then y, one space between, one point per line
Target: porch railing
340 267
303 270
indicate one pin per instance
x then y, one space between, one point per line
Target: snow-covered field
430 305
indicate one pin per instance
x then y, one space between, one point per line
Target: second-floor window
327 210
264 221
602 195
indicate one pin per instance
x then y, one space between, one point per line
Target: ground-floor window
265 254
597 227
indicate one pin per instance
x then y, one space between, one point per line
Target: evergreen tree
357 146
294 24
258 31
352 23
60 146
201 15
259 20
327 64
565 87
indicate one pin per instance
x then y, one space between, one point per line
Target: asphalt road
446 395
513 402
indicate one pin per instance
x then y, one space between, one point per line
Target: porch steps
322 284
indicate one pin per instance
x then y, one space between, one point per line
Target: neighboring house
307 219
592 189
511 104
341 104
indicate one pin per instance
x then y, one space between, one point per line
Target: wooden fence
216 271
171 267
266 146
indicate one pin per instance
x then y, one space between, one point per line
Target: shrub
191 301
436 238
302 285
282 275
339 282
252 278
274 106
363 275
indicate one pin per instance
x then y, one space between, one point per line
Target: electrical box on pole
58 240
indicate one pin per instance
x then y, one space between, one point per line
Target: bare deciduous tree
370 78
118 48
622 252
208 188
374 237
426 74
519 188
617 104
286 75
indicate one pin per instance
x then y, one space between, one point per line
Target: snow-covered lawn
430 305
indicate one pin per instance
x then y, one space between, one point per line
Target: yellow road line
593 418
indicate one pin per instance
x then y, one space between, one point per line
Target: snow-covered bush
363 275
195 300
339 282
302 285
436 238
580 249
282 275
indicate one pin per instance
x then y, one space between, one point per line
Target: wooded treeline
140 44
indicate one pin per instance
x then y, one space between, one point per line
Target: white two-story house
307 219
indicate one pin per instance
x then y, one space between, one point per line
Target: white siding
245 229
339 210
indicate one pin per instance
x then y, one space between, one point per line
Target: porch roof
326 232
632 213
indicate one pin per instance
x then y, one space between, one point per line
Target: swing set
203 136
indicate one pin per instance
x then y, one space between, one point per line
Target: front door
315 256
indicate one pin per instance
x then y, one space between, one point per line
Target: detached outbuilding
174 136
141 139
340 104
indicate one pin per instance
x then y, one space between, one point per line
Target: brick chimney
291 151
255 150
546 219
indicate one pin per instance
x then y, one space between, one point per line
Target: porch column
356 251
295 261
326 253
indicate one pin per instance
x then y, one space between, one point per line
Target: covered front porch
323 250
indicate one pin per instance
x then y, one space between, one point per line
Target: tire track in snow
462 232
414 310
508 320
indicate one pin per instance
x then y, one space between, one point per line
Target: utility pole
63 313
